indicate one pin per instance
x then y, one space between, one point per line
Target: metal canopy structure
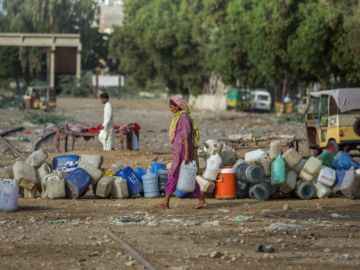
64 48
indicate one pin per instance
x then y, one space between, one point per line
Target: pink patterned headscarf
179 102
183 108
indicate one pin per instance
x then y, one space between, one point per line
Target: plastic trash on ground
284 227
212 167
311 168
228 157
254 156
9 195
243 218
53 187
327 176
213 223
291 158
25 174
95 160
44 170
104 186
205 185
290 182
350 182
322 191
37 158
275 149
119 189
93 171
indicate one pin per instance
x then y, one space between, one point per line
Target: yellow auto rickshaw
333 120
39 97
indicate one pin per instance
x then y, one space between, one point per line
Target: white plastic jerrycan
9 195
187 176
212 167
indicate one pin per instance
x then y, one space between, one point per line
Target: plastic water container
327 176
290 182
37 158
311 169
226 183
278 172
205 185
187 177
95 160
242 189
327 159
237 163
156 166
77 183
254 156
30 193
0 183
336 189
114 169
212 167
134 184
104 187
203 156
214 147
322 191
249 173
139 172
181 194
275 149
53 187
60 161
42 171
9 195
291 158
228 157
349 184
343 161
304 190
25 175
266 165
151 185
94 172
7 173
262 191
251 190
298 167
119 189
163 178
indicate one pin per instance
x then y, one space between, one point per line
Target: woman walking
184 137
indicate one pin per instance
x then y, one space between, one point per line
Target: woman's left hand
187 158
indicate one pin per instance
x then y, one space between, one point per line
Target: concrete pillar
52 67
78 63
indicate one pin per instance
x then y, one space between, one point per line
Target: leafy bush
71 86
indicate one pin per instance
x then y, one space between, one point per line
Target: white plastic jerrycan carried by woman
187 176
212 167
9 195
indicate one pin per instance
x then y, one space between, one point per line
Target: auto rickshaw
239 99
333 120
39 97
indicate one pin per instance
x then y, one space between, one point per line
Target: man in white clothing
106 136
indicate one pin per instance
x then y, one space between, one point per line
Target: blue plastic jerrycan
343 161
77 183
134 184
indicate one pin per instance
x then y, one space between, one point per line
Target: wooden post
121 135
57 139
65 143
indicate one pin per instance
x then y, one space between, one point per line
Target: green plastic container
327 159
278 172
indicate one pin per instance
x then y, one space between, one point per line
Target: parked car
261 100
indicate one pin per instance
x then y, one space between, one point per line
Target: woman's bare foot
165 204
161 206
202 204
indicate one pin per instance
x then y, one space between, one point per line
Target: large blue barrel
156 166
77 183
163 178
181 194
151 185
134 184
59 162
336 189
343 161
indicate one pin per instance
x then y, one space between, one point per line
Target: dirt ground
178 238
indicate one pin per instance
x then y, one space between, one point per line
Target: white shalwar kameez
106 136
